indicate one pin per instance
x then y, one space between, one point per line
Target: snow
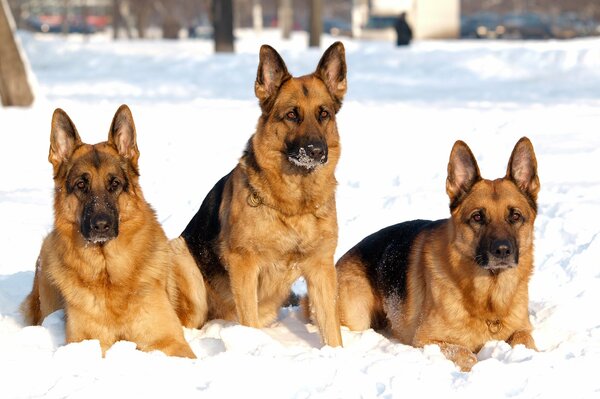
194 112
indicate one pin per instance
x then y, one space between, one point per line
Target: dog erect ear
522 168
63 138
122 134
332 70
463 173
271 74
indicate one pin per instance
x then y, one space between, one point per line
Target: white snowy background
404 109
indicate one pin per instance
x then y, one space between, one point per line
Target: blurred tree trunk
170 23
223 25
142 10
316 23
125 17
170 27
116 18
257 16
121 18
85 12
65 18
286 18
15 89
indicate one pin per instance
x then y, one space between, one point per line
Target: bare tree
257 16
223 25
65 18
116 18
15 89
141 10
286 18
316 23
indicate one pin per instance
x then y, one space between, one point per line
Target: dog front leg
243 277
464 358
460 355
322 294
522 337
81 326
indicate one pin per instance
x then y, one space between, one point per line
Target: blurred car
526 26
484 25
200 32
337 27
36 24
380 27
570 25
53 24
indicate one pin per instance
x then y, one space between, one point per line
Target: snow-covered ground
404 109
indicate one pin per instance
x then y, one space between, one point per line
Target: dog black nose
316 151
307 152
501 248
101 224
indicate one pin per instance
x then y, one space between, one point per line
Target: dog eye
292 115
515 217
114 184
81 184
324 114
477 217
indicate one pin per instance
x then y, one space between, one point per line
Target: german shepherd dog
458 282
107 261
273 218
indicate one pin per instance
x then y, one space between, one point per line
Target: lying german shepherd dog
457 282
273 218
107 261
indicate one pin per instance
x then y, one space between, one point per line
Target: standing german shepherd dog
458 282
273 218
108 261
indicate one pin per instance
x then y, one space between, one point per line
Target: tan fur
116 290
185 287
450 300
278 224
359 303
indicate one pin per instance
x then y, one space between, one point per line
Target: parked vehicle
526 26
337 27
380 27
77 24
484 25
570 25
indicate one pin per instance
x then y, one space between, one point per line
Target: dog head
297 128
493 219
91 181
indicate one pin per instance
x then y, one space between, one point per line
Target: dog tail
30 308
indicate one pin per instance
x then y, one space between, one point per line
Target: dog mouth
99 240
303 160
496 255
495 266
99 228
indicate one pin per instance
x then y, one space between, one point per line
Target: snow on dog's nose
308 154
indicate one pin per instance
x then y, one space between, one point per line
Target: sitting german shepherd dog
273 218
457 282
107 261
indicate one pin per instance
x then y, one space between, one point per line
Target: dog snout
501 249
101 224
102 227
307 153
317 151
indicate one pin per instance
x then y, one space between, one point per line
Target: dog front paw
522 337
461 356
